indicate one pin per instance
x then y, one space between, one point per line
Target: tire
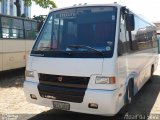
129 92
128 98
152 71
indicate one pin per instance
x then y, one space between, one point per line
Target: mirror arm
130 40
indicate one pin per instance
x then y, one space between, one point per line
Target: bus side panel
1 62
13 54
13 60
141 54
139 64
29 45
122 76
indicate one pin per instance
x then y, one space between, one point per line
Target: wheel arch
133 77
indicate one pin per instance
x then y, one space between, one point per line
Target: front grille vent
66 88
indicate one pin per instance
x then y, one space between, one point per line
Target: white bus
91 59
16 40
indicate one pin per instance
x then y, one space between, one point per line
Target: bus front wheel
151 74
129 92
128 97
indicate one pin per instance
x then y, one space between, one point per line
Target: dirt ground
12 99
13 103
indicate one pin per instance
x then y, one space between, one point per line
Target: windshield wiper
87 47
51 49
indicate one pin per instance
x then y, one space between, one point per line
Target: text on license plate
61 105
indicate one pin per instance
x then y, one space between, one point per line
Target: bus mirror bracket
130 23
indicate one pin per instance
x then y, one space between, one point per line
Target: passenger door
122 54
122 60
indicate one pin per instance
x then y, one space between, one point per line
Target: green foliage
23 15
39 18
42 3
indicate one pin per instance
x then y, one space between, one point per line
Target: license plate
61 105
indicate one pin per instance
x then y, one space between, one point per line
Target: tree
42 3
40 19
18 6
23 15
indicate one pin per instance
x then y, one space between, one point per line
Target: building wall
4 6
7 7
27 10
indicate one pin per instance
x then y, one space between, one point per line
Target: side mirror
130 23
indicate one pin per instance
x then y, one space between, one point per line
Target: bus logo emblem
60 78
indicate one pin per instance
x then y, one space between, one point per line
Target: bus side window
143 36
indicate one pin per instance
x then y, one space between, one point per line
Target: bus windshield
79 32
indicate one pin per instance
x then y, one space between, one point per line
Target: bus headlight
105 80
29 73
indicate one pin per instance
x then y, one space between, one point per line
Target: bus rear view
73 64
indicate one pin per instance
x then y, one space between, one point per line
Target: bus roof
86 5
103 5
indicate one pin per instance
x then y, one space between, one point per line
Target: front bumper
107 100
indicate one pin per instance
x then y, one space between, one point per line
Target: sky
149 9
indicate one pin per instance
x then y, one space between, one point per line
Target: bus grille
65 88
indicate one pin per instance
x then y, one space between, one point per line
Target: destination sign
65 14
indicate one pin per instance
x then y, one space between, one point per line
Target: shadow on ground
65 115
141 106
146 97
12 78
